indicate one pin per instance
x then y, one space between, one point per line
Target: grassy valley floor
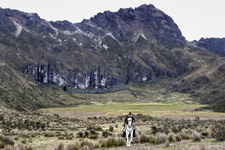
175 111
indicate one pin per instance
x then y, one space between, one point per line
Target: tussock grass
152 139
59 146
196 136
73 146
178 138
86 144
160 138
144 138
8 147
5 141
112 142
172 137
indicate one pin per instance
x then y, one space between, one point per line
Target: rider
130 115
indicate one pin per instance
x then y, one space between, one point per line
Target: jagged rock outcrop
214 45
127 25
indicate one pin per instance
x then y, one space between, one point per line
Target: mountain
123 47
214 45
110 49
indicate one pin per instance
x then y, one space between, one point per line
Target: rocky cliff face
110 48
214 45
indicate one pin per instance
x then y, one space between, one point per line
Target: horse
129 131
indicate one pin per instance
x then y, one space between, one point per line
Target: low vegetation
35 130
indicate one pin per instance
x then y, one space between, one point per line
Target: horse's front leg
131 136
127 136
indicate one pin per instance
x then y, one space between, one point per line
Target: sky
195 18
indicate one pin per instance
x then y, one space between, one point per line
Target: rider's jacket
126 119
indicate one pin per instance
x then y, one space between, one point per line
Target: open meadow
97 125
164 120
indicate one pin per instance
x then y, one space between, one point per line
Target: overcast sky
195 18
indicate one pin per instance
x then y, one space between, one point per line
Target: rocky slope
111 48
214 45
123 47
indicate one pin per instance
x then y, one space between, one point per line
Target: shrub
220 132
196 136
205 134
59 146
24 141
111 128
1 117
110 142
28 148
86 134
22 147
155 129
184 136
98 128
73 146
61 137
80 135
8 147
160 138
105 134
2 145
121 142
152 139
30 140
136 139
178 137
93 131
5 141
69 137
96 145
172 138
167 144
175 129
16 138
86 144
103 143
203 148
144 138
49 134
93 136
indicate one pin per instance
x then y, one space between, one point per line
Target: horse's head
129 121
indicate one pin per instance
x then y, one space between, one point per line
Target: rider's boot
134 134
124 133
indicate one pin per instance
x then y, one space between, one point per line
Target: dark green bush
80 135
111 128
93 136
105 134
155 129
220 132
